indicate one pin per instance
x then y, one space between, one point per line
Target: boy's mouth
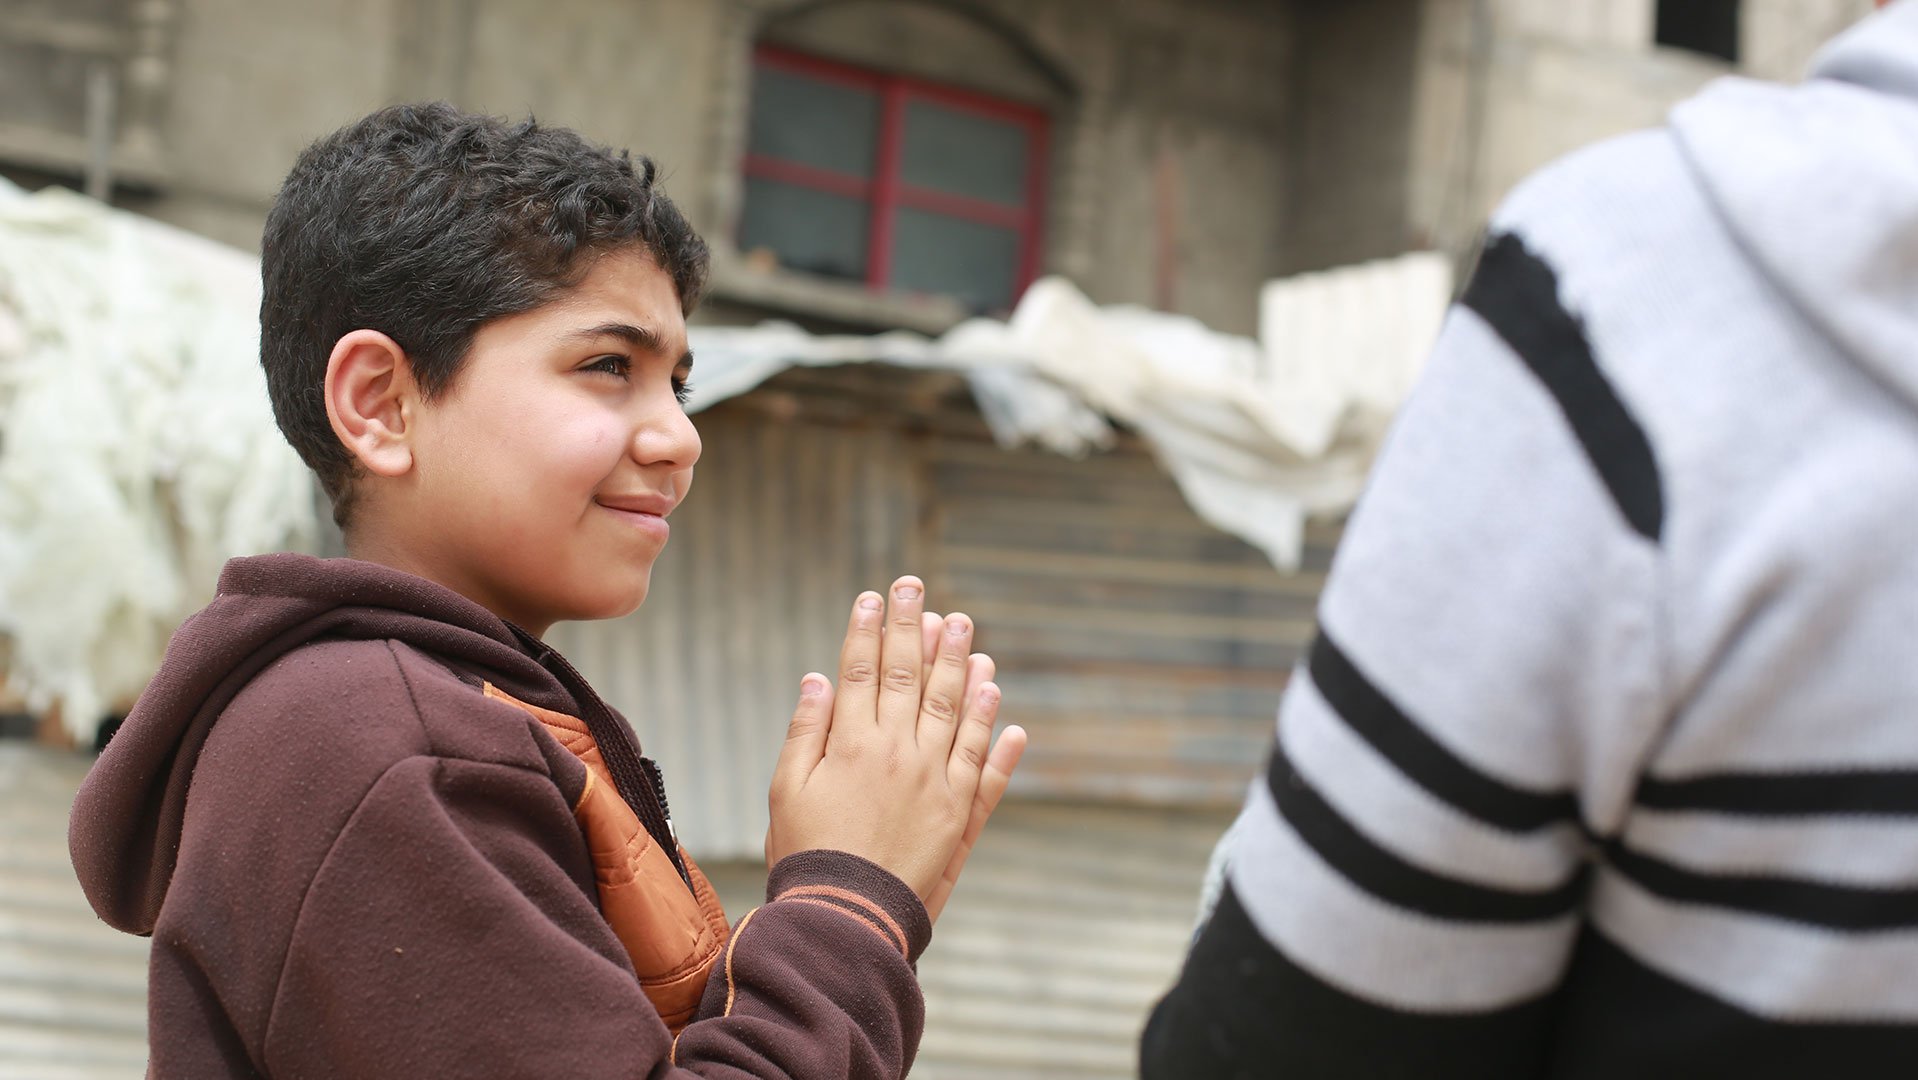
645 511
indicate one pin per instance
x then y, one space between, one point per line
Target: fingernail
907 592
812 686
869 601
955 626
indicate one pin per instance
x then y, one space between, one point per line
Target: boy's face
542 478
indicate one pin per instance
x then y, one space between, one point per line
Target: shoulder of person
1632 174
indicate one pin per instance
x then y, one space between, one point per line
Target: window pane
1705 26
964 153
823 124
809 230
977 264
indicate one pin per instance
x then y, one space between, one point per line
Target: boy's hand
894 766
992 785
999 763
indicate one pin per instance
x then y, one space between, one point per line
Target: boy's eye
611 365
682 389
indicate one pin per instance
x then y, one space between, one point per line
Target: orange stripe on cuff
879 913
839 900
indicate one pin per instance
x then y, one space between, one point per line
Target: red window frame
885 192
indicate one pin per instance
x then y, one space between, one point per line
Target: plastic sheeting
137 448
1259 434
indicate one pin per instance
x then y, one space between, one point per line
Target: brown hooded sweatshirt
341 812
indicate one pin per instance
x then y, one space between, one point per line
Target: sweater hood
1818 183
124 831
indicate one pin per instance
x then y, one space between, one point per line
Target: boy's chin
610 604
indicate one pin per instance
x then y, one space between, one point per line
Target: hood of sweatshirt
124 831
1818 182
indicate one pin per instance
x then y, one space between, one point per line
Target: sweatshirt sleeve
830 954
1408 876
441 937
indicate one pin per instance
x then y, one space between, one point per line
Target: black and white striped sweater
1605 763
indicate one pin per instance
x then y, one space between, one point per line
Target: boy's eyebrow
639 337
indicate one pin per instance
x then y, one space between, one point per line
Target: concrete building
866 165
1185 151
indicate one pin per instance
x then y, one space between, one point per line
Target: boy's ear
372 400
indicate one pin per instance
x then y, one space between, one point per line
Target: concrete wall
1168 158
1198 147
1492 91
1351 131
1776 37
251 84
254 81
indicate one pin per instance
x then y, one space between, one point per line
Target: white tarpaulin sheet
137 448
138 451
1259 434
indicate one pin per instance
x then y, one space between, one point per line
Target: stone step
1067 984
40 1050
59 967
46 893
78 928
88 1009
1025 1054
1030 936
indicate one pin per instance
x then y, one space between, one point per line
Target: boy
374 826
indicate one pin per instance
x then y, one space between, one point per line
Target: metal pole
101 88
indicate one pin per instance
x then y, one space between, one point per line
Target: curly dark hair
425 222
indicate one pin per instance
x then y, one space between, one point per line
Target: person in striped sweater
1605 763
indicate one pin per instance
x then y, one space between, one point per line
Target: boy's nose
667 437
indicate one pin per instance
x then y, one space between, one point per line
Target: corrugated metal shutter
1143 649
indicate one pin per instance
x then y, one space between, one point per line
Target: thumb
806 735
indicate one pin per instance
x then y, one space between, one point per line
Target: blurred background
1091 312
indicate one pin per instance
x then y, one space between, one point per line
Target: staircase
72 991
